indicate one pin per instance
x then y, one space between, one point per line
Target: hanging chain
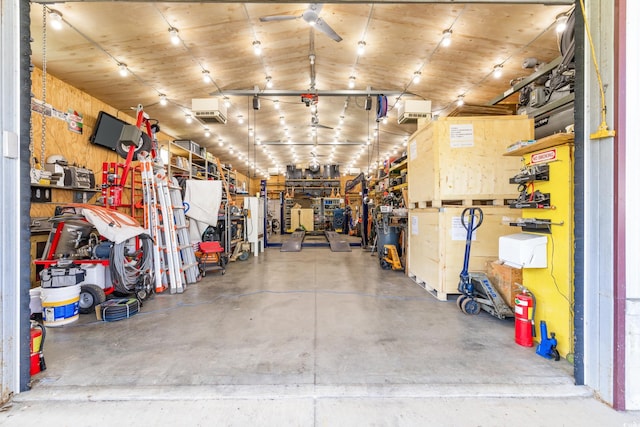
44 85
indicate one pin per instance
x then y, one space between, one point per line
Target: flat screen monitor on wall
106 132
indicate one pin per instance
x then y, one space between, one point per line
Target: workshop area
318 214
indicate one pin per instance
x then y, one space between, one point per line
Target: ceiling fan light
446 38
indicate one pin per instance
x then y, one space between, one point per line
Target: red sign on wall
543 157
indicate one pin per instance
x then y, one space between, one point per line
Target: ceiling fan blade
278 18
323 126
325 28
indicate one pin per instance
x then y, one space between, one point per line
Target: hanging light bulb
282 120
352 82
361 46
257 47
341 119
206 76
497 71
207 132
446 38
416 77
460 100
173 35
220 143
163 99
269 82
276 104
55 19
385 120
226 102
250 131
188 118
240 119
561 23
123 69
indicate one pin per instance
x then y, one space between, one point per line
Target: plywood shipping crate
459 160
437 242
506 279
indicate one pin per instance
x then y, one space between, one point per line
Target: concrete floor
312 338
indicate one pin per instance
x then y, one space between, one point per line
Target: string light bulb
257 47
163 99
269 82
207 132
226 102
276 104
173 35
416 77
352 82
206 76
497 71
122 69
446 38
561 23
56 19
460 101
188 118
240 119
361 46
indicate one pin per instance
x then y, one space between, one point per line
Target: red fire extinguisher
524 312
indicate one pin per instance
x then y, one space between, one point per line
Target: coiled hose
128 267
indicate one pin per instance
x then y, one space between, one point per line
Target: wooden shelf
546 142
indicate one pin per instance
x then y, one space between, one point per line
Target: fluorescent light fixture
446 38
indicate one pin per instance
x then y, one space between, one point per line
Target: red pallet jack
476 288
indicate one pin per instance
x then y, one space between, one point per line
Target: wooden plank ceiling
400 40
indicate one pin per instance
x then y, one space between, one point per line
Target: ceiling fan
311 16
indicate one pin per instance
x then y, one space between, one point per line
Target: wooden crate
461 158
437 244
506 279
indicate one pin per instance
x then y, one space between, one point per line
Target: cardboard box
506 279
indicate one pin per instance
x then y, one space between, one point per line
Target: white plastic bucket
60 306
35 302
